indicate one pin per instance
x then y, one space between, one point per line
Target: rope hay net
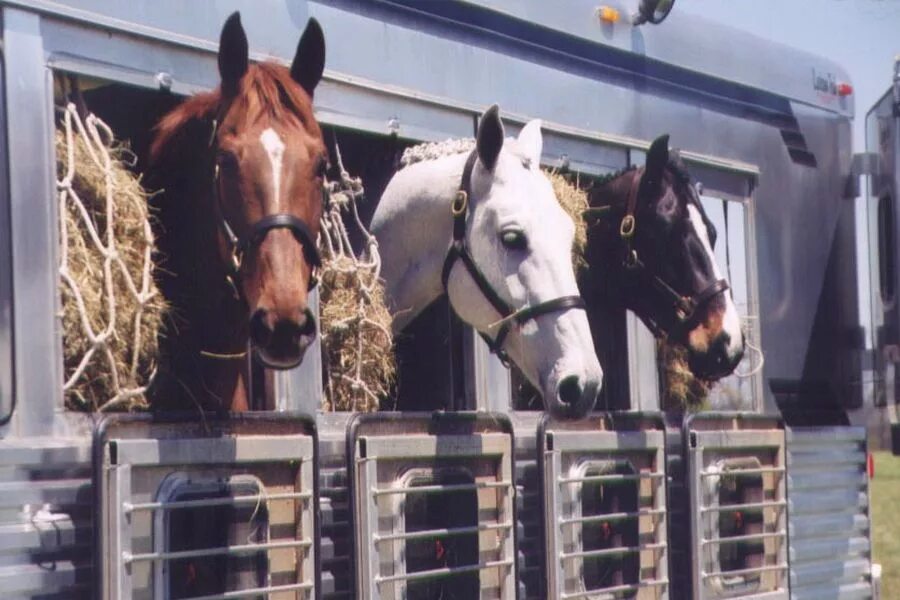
355 323
111 308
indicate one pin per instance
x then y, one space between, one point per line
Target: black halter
684 306
238 246
459 250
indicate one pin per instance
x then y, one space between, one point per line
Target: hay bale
356 337
111 309
683 391
574 201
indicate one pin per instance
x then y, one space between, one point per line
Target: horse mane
675 166
266 90
434 150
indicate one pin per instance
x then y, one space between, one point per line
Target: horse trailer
462 487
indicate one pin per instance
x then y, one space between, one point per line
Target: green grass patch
885 500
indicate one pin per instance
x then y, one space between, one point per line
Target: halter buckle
631 259
626 227
685 309
459 204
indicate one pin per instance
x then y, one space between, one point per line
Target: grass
885 499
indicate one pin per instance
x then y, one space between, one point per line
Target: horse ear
489 140
309 60
531 141
657 158
234 54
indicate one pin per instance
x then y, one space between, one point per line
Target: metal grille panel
220 510
736 469
434 509
605 516
828 490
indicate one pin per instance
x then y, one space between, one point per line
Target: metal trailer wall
740 107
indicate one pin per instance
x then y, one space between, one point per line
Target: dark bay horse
241 171
650 250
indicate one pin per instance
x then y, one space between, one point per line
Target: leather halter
459 250
239 245
684 306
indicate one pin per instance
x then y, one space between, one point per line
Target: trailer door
206 508
884 224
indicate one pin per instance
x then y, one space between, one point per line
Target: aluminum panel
828 515
46 538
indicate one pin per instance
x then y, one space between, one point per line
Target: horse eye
513 239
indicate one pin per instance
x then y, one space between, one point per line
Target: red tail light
870 465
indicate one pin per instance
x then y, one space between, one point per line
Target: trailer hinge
865 164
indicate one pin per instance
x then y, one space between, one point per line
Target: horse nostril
569 390
307 323
260 330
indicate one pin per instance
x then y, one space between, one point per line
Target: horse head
269 163
527 304
655 245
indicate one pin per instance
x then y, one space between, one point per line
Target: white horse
483 226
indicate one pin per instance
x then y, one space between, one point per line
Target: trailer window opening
886 249
217 526
733 255
601 498
436 511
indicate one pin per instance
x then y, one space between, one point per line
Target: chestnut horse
241 171
650 250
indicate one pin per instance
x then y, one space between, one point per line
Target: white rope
339 256
752 347
97 137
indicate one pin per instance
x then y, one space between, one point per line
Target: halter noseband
238 245
459 250
685 307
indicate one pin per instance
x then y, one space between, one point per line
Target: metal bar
619 516
271 589
611 551
611 478
225 501
781 567
742 472
746 506
129 558
445 572
746 538
633 587
432 489
430 533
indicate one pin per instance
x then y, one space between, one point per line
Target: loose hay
574 201
356 324
111 308
683 391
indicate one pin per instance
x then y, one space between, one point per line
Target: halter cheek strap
459 251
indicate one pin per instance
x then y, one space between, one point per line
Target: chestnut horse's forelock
267 90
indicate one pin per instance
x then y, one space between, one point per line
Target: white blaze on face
274 147
731 323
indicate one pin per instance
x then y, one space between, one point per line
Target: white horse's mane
435 150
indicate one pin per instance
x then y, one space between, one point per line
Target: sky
863 36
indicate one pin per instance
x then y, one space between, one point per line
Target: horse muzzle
281 342
719 360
